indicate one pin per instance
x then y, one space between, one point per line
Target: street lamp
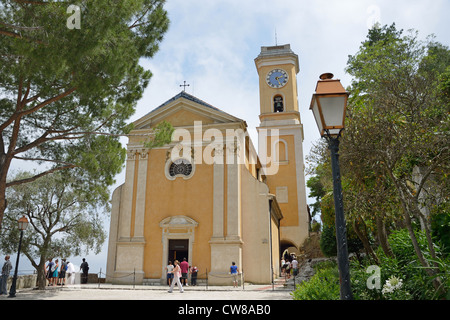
328 105
23 224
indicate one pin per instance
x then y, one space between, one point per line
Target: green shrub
328 241
415 282
440 227
359 278
405 265
315 226
324 285
401 278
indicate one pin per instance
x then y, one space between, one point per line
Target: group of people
177 273
289 265
56 273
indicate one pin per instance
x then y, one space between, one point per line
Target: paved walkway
154 292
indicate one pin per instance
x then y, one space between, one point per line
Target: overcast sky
212 46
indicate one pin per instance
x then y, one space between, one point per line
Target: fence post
243 280
273 280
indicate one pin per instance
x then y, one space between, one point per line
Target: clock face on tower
277 78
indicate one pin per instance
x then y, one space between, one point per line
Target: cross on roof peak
184 85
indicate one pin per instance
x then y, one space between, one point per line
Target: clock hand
278 79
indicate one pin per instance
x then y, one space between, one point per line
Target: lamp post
328 105
23 224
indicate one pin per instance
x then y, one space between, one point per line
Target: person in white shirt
169 270
70 272
294 267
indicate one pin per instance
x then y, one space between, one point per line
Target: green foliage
416 283
315 226
66 94
394 161
63 219
444 85
317 192
328 241
359 278
398 96
324 285
440 227
162 135
400 278
319 184
406 265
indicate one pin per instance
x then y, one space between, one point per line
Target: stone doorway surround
176 227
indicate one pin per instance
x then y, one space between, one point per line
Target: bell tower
277 68
281 129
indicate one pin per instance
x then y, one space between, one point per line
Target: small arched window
278 104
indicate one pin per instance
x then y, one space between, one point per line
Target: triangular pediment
182 110
178 222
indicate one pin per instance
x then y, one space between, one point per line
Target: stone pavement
154 292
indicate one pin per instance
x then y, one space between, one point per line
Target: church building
210 196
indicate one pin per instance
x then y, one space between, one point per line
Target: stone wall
23 281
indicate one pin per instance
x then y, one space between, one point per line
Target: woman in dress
55 273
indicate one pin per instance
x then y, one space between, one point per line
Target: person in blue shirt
234 271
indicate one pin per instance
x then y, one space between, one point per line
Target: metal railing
202 279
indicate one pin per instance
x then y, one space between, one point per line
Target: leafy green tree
398 121
316 191
64 221
440 226
320 181
321 187
69 79
328 240
372 207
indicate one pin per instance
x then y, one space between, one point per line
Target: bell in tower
278 104
277 68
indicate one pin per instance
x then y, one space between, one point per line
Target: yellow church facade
209 196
